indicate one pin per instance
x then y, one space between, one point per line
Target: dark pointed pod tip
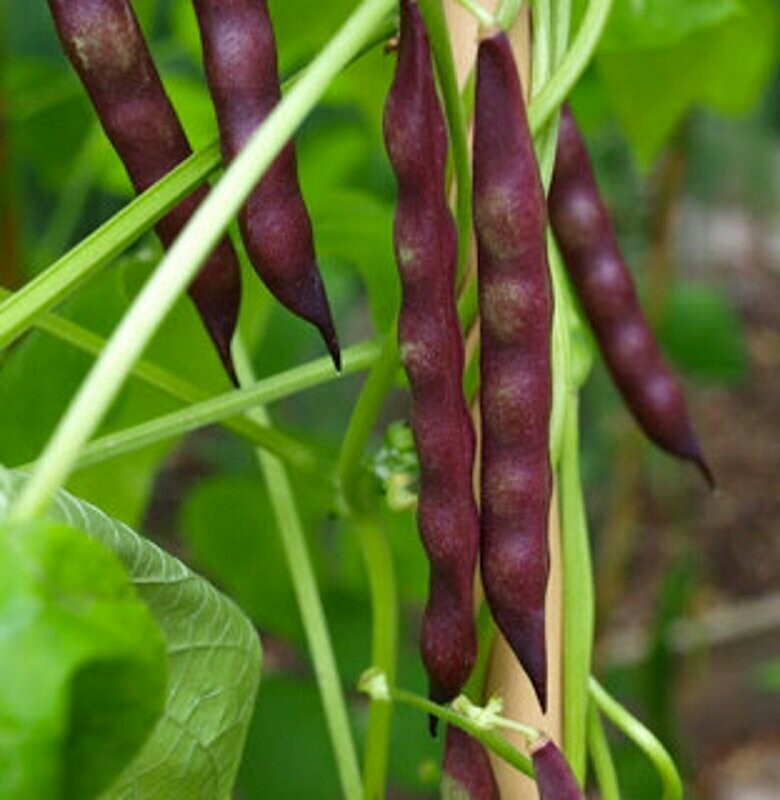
433 726
312 304
690 450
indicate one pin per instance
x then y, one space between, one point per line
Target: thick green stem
601 756
578 602
304 582
186 256
643 738
378 560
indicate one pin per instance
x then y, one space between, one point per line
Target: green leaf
642 24
213 664
702 334
82 660
724 66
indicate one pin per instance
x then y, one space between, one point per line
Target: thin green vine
578 596
577 58
375 684
378 560
361 423
186 256
304 582
643 738
601 756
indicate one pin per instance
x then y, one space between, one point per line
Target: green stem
223 408
378 559
83 261
601 756
643 738
304 582
188 253
557 89
578 602
364 416
456 120
492 739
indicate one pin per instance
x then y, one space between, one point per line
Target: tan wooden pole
505 677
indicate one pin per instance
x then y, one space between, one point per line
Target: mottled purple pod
239 54
431 347
468 774
554 777
106 47
606 291
516 309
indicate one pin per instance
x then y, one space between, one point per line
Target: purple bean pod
431 347
107 48
467 767
239 54
554 777
516 309
606 291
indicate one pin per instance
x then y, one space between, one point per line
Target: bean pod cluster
516 308
239 53
432 351
606 291
105 45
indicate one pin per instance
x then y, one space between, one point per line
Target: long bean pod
516 310
606 291
105 45
239 54
431 346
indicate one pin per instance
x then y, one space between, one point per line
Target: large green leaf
213 665
82 660
640 24
724 66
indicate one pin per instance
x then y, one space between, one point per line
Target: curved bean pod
106 46
432 350
467 768
554 777
516 309
606 291
239 54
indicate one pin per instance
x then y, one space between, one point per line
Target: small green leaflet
214 660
